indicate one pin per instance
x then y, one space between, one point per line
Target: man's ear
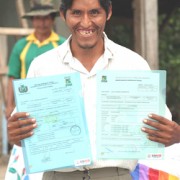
61 13
110 12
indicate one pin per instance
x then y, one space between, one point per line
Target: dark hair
66 4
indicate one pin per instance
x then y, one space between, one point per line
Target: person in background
42 15
87 51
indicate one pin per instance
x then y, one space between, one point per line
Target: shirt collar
108 50
53 37
67 57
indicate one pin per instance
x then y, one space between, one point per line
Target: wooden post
3 50
3 65
138 28
146 30
3 71
21 12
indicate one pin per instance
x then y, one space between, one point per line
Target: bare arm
10 98
166 132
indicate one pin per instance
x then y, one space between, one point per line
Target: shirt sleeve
14 65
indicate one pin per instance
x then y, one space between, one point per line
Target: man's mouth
86 33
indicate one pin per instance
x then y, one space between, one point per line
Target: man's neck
41 37
88 57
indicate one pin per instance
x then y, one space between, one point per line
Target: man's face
42 24
86 20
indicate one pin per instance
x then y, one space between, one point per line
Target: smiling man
86 21
87 51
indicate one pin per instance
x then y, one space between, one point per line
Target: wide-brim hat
40 9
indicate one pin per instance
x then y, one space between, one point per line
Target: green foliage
120 33
169 55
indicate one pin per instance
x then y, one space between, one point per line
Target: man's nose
85 20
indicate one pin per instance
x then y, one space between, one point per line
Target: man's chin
86 46
43 31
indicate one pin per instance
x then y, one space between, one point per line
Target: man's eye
76 13
94 12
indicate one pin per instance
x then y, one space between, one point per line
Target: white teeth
86 32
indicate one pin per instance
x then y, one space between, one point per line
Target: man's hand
166 132
20 126
8 111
